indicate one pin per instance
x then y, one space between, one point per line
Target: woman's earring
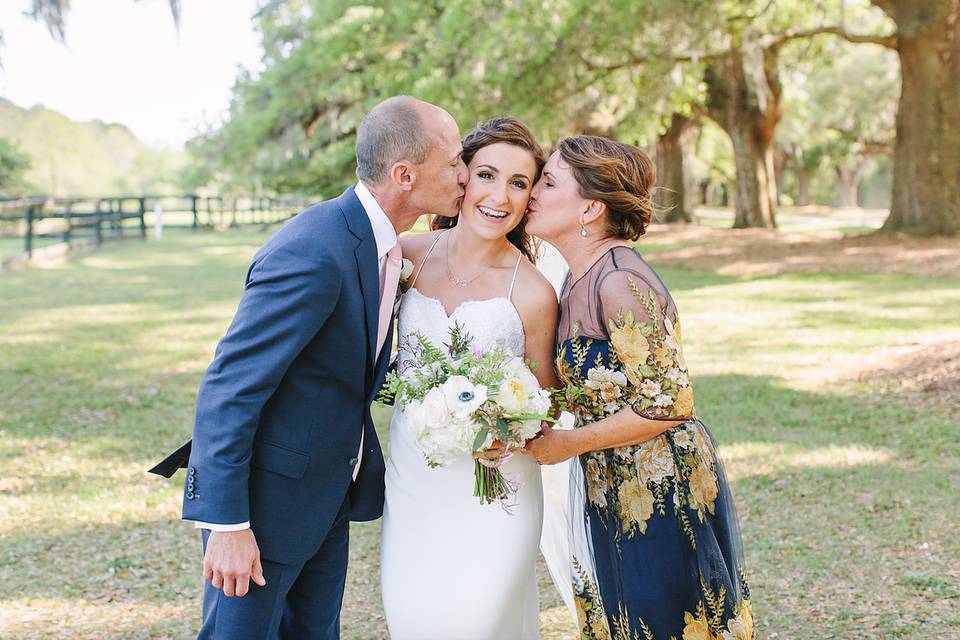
583 229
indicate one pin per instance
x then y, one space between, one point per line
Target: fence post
68 217
143 218
28 233
118 217
193 208
99 221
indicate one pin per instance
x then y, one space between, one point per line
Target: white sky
124 63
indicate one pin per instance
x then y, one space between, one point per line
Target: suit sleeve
286 301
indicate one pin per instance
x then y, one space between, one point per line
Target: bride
452 568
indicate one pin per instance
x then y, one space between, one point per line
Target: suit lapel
366 257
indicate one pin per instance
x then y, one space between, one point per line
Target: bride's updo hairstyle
617 174
512 131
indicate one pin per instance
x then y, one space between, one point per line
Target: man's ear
403 175
595 210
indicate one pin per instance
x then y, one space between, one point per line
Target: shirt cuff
222 527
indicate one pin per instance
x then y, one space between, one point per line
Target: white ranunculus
434 408
565 420
540 402
462 396
512 396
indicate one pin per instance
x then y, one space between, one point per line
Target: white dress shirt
386 238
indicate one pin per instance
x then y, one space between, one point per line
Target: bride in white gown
454 569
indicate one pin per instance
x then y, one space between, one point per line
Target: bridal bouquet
458 401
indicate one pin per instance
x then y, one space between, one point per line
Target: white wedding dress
451 568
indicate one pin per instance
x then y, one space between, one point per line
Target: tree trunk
804 197
926 163
676 187
779 169
743 97
848 183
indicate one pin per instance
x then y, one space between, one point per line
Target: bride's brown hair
512 131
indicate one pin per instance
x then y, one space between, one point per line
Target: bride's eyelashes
519 183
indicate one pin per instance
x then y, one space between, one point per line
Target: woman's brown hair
617 174
512 131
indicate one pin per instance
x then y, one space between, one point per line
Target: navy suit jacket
281 408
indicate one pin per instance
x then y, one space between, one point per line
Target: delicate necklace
452 277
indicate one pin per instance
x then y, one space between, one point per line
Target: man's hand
231 560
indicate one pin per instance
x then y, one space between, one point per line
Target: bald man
284 452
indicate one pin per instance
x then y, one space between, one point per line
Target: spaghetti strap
424 261
514 280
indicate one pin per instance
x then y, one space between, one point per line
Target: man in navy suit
284 450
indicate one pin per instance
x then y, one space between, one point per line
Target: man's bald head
399 128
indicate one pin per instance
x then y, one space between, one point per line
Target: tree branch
767 41
779 39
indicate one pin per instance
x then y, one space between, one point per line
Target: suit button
354 461
190 495
190 485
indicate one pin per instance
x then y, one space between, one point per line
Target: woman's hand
553 445
494 453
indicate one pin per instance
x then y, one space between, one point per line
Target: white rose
434 408
527 429
414 414
512 396
462 396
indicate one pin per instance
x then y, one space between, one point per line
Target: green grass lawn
848 495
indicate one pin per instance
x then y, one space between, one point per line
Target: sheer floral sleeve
645 335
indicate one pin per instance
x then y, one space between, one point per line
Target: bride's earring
583 229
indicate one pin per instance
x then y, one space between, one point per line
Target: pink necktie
388 294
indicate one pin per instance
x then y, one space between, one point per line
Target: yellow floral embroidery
627 338
703 489
683 403
636 505
696 628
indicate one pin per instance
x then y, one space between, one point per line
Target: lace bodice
486 321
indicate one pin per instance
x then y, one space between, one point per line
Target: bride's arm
536 302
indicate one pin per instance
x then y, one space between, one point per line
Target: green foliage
13 164
68 158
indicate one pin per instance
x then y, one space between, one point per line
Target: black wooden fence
31 224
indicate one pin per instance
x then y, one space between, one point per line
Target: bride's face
555 202
501 176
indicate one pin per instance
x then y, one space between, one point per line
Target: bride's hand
553 445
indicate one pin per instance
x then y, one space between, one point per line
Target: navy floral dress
655 543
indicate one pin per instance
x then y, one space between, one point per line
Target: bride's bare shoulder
539 296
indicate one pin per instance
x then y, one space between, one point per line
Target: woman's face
501 176
555 202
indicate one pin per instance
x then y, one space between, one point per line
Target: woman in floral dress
655 544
